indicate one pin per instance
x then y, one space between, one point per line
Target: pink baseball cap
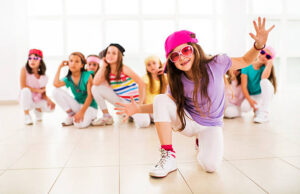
272 50
177 38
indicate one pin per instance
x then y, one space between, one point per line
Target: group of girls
93 81
193 103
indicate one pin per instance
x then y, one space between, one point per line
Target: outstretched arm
260 39
133 108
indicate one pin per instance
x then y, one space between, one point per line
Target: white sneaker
166 164
38 115
103 121
67 122
28 120
261 117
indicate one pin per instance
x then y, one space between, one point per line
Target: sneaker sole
260 122
66 125
101 124
161 175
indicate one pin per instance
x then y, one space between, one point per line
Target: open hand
127 109
64 63
78 117
252 104
261 36
51 104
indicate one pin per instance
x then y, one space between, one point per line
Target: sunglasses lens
187 51
262 52
174 56
269 56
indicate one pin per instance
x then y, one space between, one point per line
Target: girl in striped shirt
116 82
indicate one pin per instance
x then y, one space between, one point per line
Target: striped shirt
124 87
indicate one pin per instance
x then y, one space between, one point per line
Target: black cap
121 49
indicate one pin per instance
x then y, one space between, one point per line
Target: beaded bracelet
257 48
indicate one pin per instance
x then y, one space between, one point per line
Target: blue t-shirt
80 91
254 77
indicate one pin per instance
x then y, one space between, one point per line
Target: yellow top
156 85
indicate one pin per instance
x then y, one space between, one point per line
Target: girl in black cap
116 82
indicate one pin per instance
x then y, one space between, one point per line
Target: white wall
13 39
222 26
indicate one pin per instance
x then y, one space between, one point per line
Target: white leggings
263 99
102 93
28 104
67 102
210 138
232 110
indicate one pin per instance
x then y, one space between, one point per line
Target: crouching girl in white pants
195 101
82 108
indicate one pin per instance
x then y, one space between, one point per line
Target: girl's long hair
238 77
83 61
42 67
162 79
119 67
273 79
200 73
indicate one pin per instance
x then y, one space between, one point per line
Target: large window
60 27
284 38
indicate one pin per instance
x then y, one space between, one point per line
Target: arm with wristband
260 39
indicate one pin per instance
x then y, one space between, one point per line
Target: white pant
67 102
232 110
28 104
263 99
210 138
102 93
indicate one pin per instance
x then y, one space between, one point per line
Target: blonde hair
162 78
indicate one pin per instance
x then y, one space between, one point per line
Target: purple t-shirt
216 91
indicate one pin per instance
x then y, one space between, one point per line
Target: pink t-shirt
234 93
34 82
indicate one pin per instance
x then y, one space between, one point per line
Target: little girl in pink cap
33 87
259 85
195 100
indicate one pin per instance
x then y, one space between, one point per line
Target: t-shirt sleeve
221 64
86 76
245 71
226 61
67 82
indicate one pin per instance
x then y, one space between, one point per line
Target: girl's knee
25 91
231 112
209 165
142 120
57 92
161 100
98 90
245 106
266 85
